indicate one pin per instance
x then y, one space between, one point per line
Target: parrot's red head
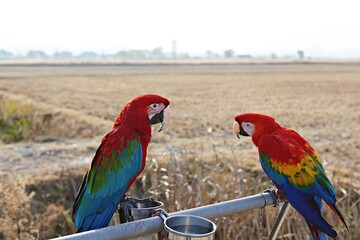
143 111
253 125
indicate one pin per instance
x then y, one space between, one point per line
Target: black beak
243 133
157 118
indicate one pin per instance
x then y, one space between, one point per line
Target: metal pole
155 224
226 208
121 231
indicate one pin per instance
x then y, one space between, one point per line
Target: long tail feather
334 208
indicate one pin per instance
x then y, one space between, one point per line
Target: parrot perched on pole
294 167
119 159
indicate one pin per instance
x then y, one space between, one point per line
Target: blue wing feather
94 208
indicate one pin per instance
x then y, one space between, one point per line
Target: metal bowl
145 208
186 227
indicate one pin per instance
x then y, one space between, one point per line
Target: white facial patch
248 128
154 109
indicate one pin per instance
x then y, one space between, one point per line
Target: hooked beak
162 117
238 130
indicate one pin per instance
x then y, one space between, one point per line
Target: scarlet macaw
119 159
294 167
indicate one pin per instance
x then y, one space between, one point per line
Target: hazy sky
320 28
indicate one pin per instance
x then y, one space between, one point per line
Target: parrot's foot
279 193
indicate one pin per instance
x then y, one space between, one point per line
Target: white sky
320 28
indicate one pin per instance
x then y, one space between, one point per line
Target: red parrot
294 167
119 159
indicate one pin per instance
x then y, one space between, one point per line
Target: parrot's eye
248 124
154 105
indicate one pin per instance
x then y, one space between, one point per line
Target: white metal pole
155 224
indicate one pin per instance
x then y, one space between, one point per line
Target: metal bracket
131 209
161 213
274 195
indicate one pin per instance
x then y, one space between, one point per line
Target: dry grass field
75 106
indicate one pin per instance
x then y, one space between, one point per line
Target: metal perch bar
155 224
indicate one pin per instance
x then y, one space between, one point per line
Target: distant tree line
156 53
